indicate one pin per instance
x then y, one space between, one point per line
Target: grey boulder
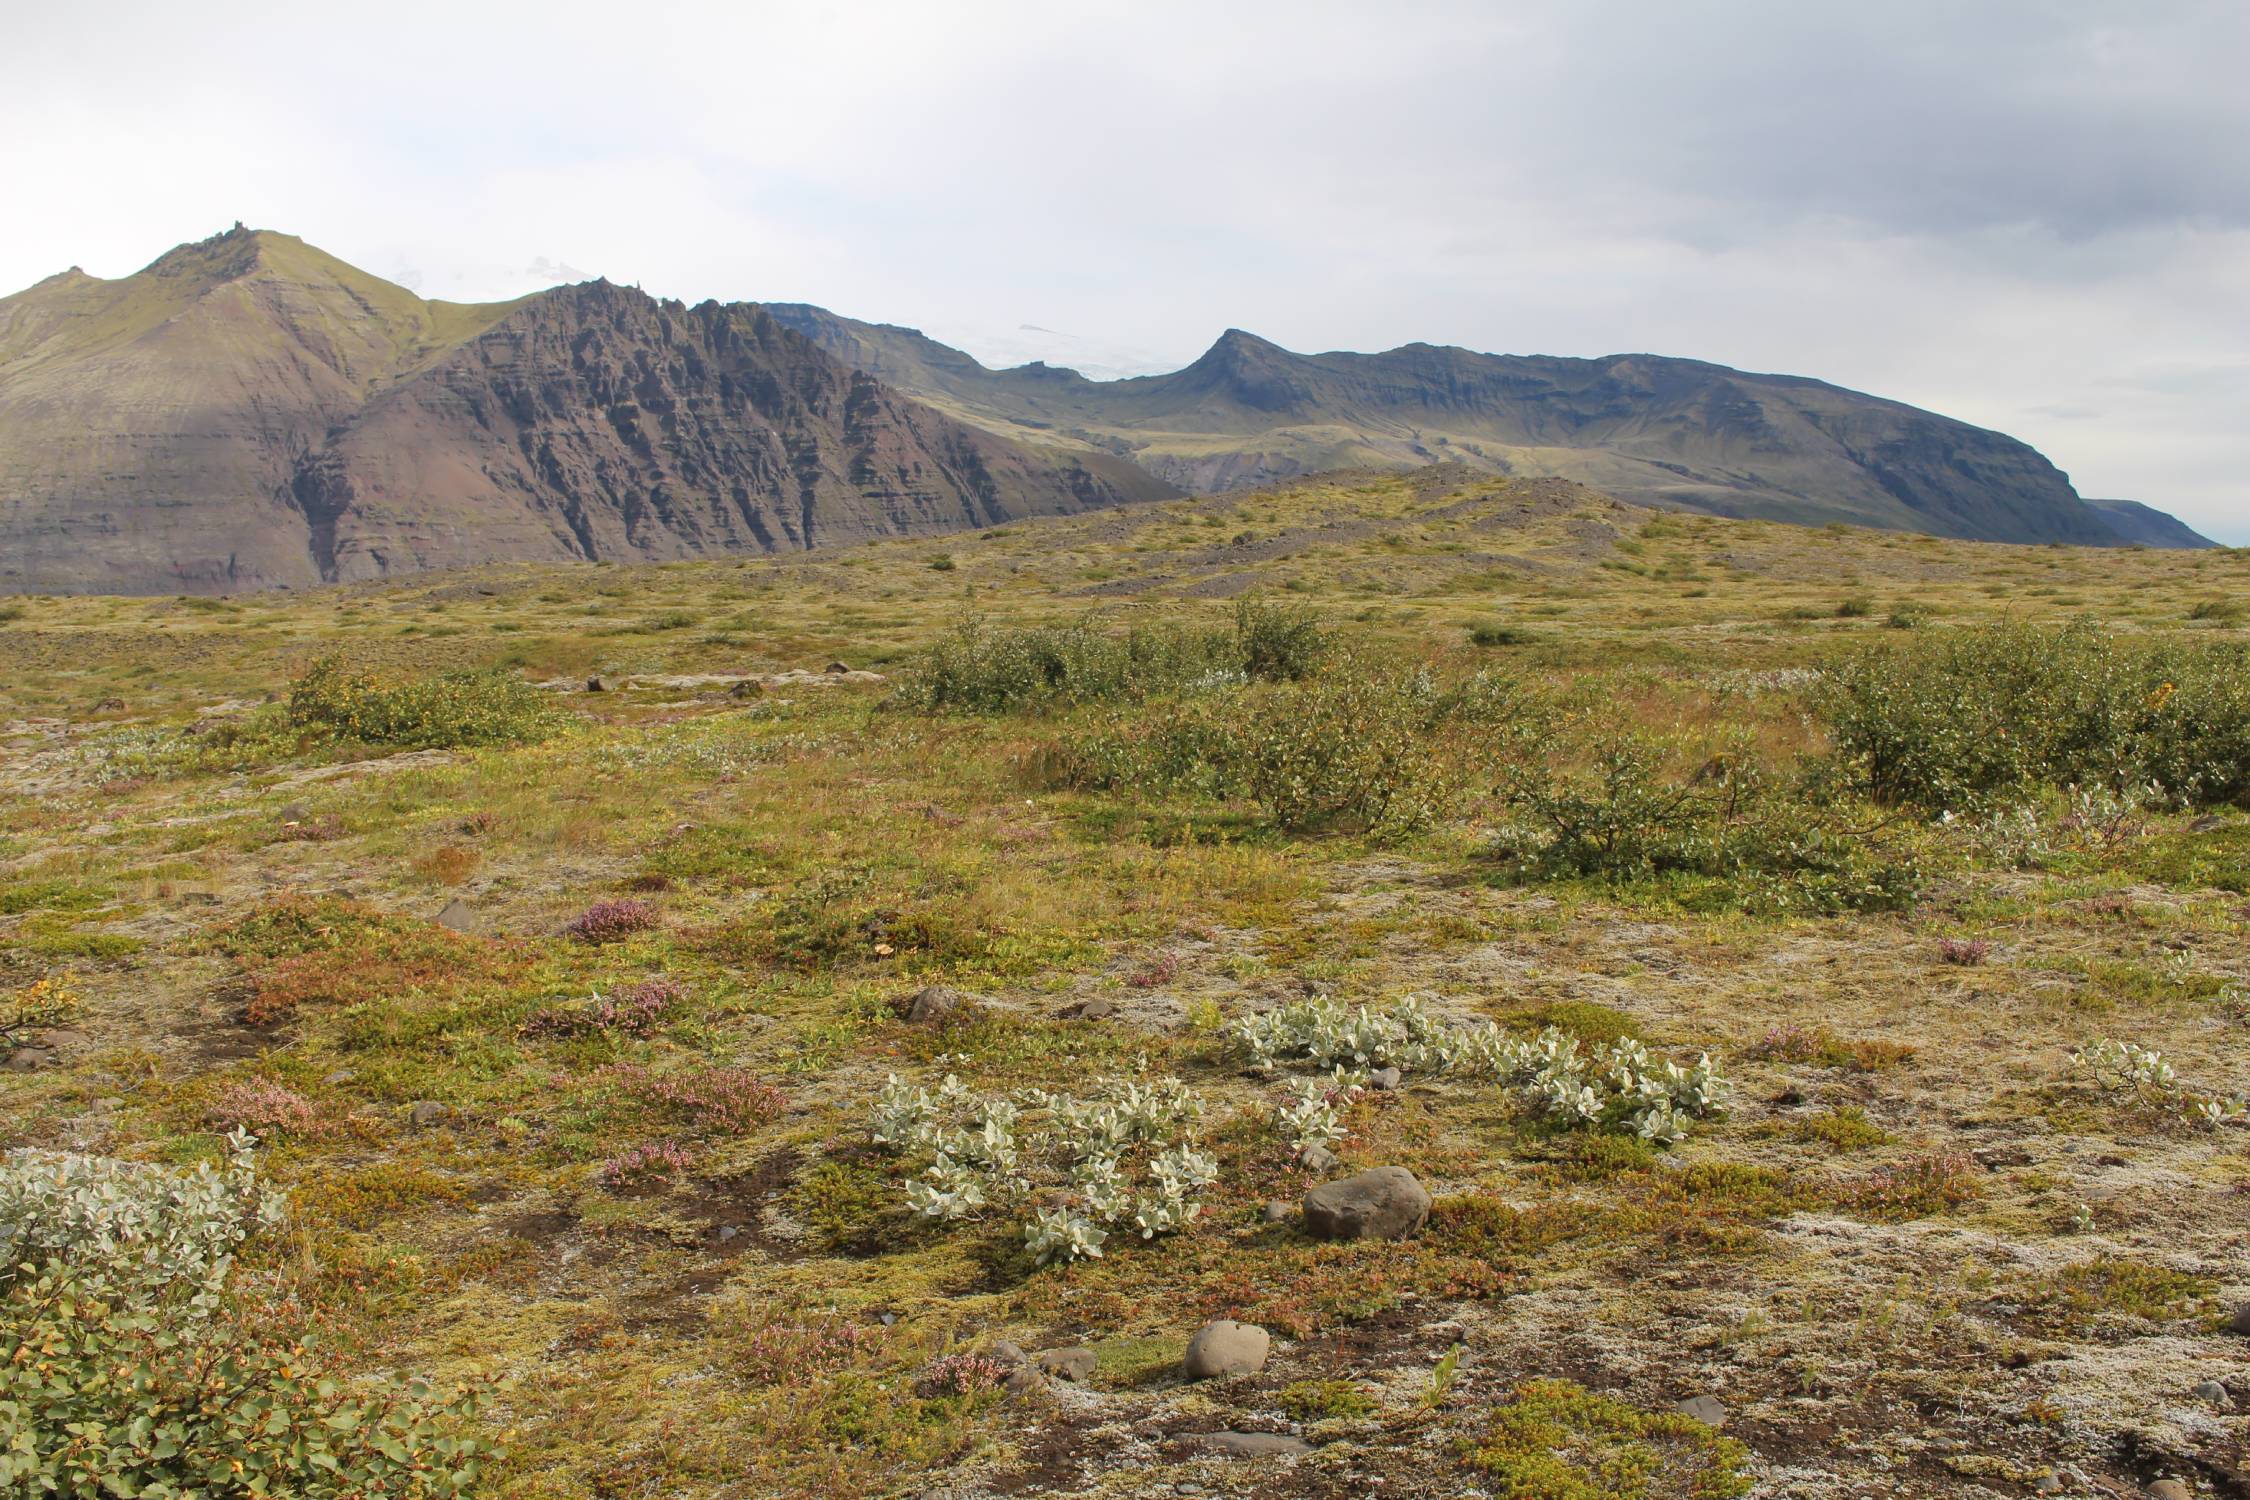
1385 1203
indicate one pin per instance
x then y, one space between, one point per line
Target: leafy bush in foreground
1958 718
131 1366
978 669
448 711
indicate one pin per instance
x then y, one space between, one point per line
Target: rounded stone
934 1005
1708 1410
1226 1348
1075 1365
1386 1203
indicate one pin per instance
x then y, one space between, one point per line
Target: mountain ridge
249 412
1657 429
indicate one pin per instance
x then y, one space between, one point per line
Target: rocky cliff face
1661 431
250 413
596 422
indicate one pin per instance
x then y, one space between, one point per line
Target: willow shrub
1956 719
980 669
132 1362
1361 744
444 711
1731 834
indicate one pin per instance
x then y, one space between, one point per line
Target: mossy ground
1919 1256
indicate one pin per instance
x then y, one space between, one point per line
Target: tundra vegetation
1809 974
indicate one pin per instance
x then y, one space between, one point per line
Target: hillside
249 412
2146 526
1671 432
637 1170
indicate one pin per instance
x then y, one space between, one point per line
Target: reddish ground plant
961 1375
712 1101
644 1166
1157 971
634 1011
1914 1188
788 1352
1965 952
297 952
265 1108
610 921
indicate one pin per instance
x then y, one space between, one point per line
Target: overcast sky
2034 216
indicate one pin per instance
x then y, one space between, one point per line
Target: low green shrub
1490 634
1729 834
1957 719
1359 744
979 669
133 1363
447 711
1559 1441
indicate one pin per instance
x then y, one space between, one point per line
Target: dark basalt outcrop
599 423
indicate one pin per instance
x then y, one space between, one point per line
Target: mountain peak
1248 372
1236 345
224 256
